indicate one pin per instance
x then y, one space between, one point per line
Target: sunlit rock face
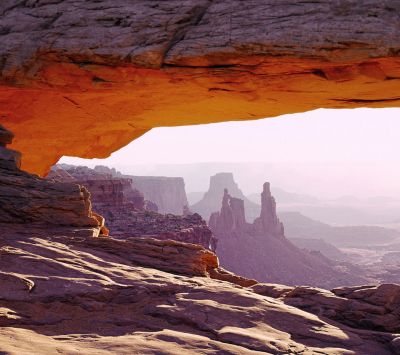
260 250
86 78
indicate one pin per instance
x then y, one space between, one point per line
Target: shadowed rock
365 307
29 200
64 291
261 251
211 200
113 196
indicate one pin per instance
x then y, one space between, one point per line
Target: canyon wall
168 193
128 214
261 251
65 291
73 76
211 200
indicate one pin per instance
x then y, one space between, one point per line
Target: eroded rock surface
67 294
74 77
28 200
168 193
64 291
211 200
261 251
127 213
365 307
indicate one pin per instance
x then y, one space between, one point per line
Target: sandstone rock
190 229
211 200
63 291
168 193
128 214
107 192
260 250
27 199
65 65
364 307
67 294
6 136
268 222
150 206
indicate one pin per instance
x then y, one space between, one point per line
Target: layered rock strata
127 213
260 250
68 295
168 193
365 307
73 76
30 201
64 291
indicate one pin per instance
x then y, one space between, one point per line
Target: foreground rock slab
365 307
70 295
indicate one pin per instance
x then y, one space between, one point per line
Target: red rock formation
62 294
211 200
125 209
190 229
168 193
29 200
268 222
366 307
106 191
260 250
73 76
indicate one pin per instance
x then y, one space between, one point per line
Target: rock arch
84 79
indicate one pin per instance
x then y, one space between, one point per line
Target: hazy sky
359 148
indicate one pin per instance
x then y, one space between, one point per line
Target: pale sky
363 142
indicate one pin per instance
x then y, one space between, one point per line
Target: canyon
260 250
127 213
67 288
84 79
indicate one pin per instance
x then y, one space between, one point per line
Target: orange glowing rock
94 78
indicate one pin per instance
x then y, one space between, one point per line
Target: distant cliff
211 200
261 251
126 211
168 193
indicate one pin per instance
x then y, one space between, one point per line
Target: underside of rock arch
84 78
